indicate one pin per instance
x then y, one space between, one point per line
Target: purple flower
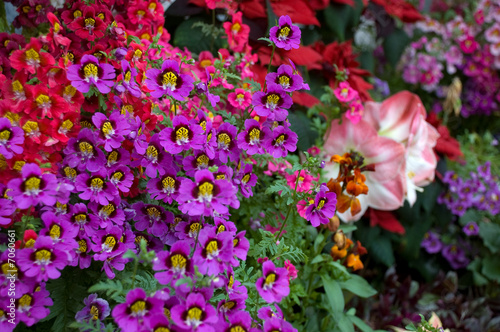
136 311
455 256
31 307
214 252
96 188
83 255
109 214
90 72
168 81
279 141
112 130
137 135
11 139
78 216
44 260
60 230
175 264
274 283
285 35
250 140
33 187
106 243
272 103
183 136
7 210
322 209
195 314
128 84
156 160
188 229
82 152
95 309
247 179
121 177
471 229
240 248
226 142
206 195
154 218
431 243
278 324
285 78
118 156
199 161
165 188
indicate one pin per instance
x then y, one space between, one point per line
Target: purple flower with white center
112 130
199 161
91 73
206 195
33 187
168 81
95 309
223 172
471 229
188 229
279 141
44 260
285 77
226 143
156 160
175 264
78 217
106 243
196 314
107 215
165 188
183 136
83 255
273 103
60 230
250 140
11 139
119 156
154 218
82 152
322 209
240 248
230 307
128 80
246 179
96 188
455 256
32 306
121 177
239 321
431 243
136 311
274 283
214 251
137 135
285 35
278 324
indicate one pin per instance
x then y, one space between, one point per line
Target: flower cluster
454 253
347 252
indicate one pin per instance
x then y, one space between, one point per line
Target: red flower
42 101
405 11
300 11
237 33
66 128
445 145
89 26
30 58
386 220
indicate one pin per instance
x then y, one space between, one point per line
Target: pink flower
355 111
345 93
240 98
304 181
469 44
492 35
386 185
314 151
237 33
402 118
292 271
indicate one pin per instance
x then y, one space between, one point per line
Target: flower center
162 329
43 101
270 279
168 183
107 210
206 190
236 27
112 157
205 63
202 161
221 228
117 176
153 212
203 125
152 6
169 80
237 328
284 81
94 311
212 249
272 100
96 184
220 177
284 32
55 232
254 136
245 178
128 76
80 218
43 256
140 13
25 300
321 203
32 185
240 97
138 308
90 71
152 152
224 140
57 27
69 172
178 262
65 127
194 228
89 23
228 306
182 135
137 54
280 139
82 245
32 56
107 129
77 13
109 243
4 136
17 86
194 316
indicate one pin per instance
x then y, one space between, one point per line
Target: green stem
271 60
136 265
290 208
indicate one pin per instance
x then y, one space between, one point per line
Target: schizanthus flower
285 35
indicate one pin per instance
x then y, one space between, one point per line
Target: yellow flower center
245 178
140 13
228 306
55 232
254 135
206 189
43 255
18 165
17 86
128 76
221 228
107 209
153 212
117 176
168 183
110 241
90 70
42 100
161 329
96 183
203 125
205 63
178 261
320 204
211 248
152 6
194 313
235 242
94 311
107 129
270 279
284 32
202 160
29 244
280 139
231 282
137 54
273 99
82 245
112 157
169 79
101 16
67 125
89 22
195 227
26 9
182 134
284 80
77 13
25 300
32 55
236 27
5 135
81 218
57 27
32 184
224 139
152 151
38 8
138 306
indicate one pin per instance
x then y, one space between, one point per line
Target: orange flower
339 254
354 262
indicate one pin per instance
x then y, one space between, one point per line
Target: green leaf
346 228
318 241
394 45
337 18
475 267
302 126
317 259
491 268
360 324
334 294
358 286
193 38
344 323
381 249
490 233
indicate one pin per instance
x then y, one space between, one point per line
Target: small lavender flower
95 309
471 229
91 73
152 217
11 139
286 78
273 103
285 35
322 208
274 283
431 243
182 136
455 256
279 141
112 130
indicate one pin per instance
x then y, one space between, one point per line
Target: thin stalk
290 208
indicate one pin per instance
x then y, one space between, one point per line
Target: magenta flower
322 209
278 324
175 264
106 243
91 73
279 141
214 252
285 35
183 136
156 160
96 188
121 177
196 314
60 230
240 248
471 229
455 256
112 130
199 161
32 306
168 81
154 218
250 140
273 103
11 139
83 254
78 216
136 311
240 98
355 111
82 152
247 179
165 188
107 215
286 78
33 187
206 195
274 283
128 80
345 93
226 142
239 321
44 260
